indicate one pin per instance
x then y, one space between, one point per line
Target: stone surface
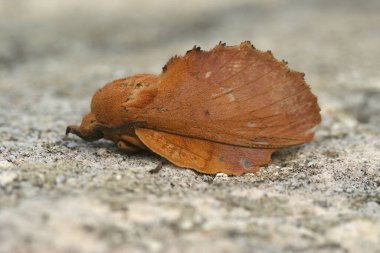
60 194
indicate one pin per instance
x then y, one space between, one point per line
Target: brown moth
224 110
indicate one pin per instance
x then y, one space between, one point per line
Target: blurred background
55 54
70 48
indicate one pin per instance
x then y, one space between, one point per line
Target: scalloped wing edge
221 45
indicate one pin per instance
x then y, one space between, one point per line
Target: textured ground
60 194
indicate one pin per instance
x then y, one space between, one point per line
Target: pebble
71 144
101 151
219 177
186 224
7 177
5 165
139 175
60 179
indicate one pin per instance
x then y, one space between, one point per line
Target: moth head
106 104
87 130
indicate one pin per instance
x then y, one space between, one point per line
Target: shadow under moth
224 110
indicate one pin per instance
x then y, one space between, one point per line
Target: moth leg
127 147
157 169
134 140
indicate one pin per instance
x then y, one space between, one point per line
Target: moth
223 110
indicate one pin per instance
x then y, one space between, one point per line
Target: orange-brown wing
204 156
233 95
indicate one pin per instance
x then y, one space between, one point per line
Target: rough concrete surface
60 194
